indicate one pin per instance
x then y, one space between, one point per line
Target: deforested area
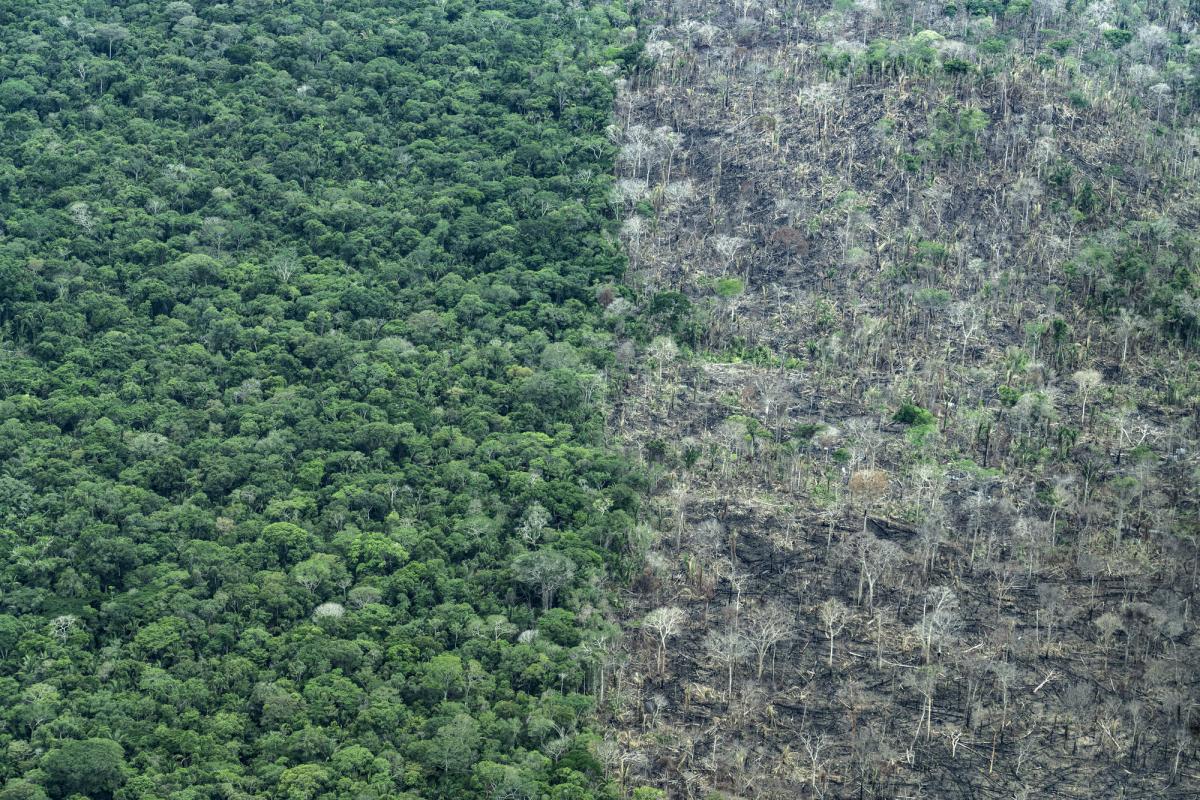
911 326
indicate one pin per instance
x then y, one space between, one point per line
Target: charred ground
921 383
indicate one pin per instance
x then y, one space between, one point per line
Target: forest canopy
303 487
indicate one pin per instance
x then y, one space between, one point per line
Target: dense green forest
303 483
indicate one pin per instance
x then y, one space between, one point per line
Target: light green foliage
729 288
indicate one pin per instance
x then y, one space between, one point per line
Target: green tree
291 542
453 749
21 789
443 673
93 767
303 782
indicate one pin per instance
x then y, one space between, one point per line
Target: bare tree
663 624
767 626
834 615
1087 380
548 570
814 748
726 648
868 487
939 619
878 562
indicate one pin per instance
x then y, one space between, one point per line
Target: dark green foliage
1147 266
956 66
299 322
912 414
955 131
1008 395
1118 37
1061 46
93 767
674 313
805 431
